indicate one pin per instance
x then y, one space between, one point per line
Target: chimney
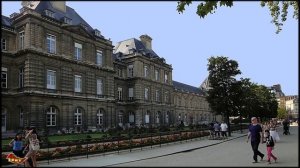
146 40
59 5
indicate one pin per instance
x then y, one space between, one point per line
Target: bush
164 128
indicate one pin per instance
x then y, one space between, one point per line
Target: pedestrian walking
217 129
255 132
17 145
270 143
211 131
33 146
224 129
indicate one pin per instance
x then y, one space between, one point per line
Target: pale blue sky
242 33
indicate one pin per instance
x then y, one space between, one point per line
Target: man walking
224 129
255 132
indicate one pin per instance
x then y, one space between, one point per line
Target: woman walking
33 146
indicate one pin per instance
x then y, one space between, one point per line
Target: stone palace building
59 72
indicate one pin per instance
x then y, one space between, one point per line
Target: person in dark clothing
255 132
286 125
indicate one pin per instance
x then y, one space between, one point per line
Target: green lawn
55 138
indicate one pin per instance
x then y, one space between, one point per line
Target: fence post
151 139
141 142
180 137
87 148
48 148
118 143
159 139
130 144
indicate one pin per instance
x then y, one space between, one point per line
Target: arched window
78 116
100 115
3 119
51 116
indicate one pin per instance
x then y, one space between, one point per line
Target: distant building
291 105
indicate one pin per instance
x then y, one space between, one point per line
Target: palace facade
59 72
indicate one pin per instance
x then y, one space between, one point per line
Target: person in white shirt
224 129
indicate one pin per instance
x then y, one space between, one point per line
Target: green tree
282 113
261 102
221 77
278 9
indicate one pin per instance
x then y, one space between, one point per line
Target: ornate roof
133 45
187 88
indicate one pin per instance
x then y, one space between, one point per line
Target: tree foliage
221 78
282 113
231 97
278 9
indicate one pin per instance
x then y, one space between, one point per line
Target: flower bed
76 148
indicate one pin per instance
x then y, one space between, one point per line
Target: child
17 144
270 145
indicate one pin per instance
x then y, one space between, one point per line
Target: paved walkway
100 160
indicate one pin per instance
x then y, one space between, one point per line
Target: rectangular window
130 94
166 77
157 95
77 83
3 44
156 75
21 40
146 94
120 93
147 118
99 58
3 77
99 87
146 71
166 97
130 70
51 43
21 77
78 51
51 79
120 72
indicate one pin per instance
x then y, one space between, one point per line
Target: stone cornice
61 58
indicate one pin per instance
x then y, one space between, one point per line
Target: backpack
271 143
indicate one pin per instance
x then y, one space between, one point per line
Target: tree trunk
228 123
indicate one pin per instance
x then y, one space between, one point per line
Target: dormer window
97 33
49 13
67 20
84 26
